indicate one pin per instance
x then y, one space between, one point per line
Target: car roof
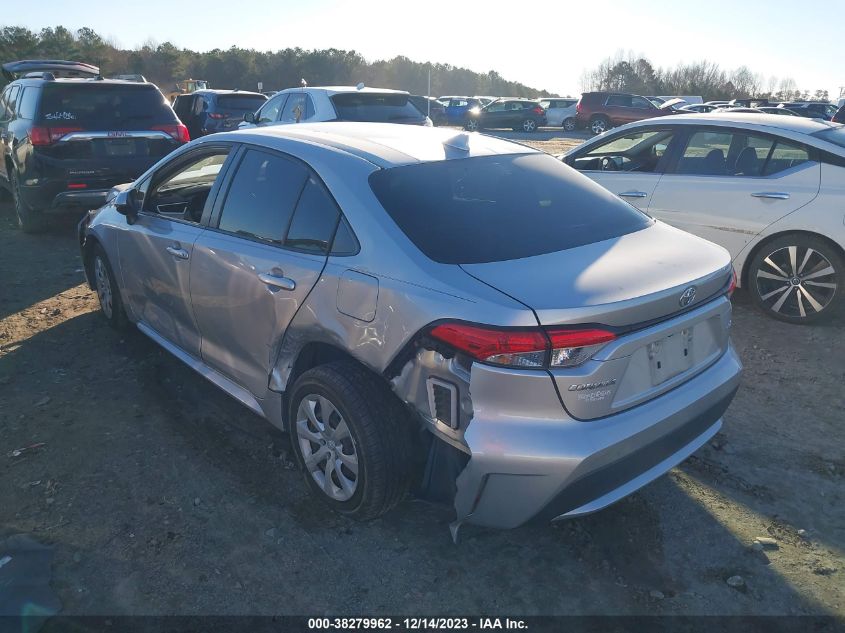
332 90
383 144
800 125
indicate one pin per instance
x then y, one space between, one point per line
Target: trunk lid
633 279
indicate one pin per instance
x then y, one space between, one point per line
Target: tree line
165 64
636 74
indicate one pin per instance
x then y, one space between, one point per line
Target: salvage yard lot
161 495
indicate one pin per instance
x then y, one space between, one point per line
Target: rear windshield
248 103
104 106
497 208
835 135
375 107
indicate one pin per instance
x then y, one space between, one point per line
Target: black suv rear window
248 103
497 208
103 106
375 107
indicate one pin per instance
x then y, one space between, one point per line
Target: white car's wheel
569 124
797 278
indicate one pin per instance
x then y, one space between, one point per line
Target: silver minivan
560 113
420 308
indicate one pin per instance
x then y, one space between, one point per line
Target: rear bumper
56 198
548 467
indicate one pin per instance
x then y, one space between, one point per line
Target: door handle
775 195
177 252
277 281
633 194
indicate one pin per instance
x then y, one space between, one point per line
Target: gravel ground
160 495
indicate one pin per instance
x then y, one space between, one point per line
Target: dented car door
249 276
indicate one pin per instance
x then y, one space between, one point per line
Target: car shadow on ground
45 256
162 495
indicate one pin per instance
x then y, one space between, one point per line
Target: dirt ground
160 495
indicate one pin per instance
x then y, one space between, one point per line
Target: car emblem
687 297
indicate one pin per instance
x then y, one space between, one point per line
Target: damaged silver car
454 314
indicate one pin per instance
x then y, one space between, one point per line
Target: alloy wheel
529 125
597 126
327 447
104 290
472 125
796 281
569 124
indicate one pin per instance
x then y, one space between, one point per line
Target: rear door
727 185
254 267
155 252
628 164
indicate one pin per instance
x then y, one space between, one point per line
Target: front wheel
351 438
108 294
471 125
797 278
569 124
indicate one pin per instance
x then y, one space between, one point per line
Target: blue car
457 109
208 111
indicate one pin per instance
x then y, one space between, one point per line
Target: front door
161 243
256 264
628 164
728 185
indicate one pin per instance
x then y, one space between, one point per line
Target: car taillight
529 347
177 130
539 110
578 106
571 347
216 115
732 285
49 135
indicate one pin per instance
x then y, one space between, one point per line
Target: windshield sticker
60 116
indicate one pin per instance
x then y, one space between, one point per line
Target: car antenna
459 142
303 83
360 86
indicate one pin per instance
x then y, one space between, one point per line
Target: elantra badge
687 297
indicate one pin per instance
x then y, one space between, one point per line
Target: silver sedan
419 308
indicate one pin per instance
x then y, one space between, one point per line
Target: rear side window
246 103
103 106
785 156
262 196
298 108
619 100
314 220
376 107
27 103
497 208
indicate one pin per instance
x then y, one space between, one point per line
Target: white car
768 188
560 112
337 103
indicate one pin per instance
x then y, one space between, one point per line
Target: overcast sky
542 44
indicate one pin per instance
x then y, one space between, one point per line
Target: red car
600 111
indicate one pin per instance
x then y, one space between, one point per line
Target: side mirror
126 203
249 117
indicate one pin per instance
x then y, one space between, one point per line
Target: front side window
498 106
502 207
261 199
183 191
269 113
636 151
639 102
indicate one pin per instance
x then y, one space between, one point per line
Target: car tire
352 439
569 124
529 126
471 125
599 124
108 292
29 220
797 278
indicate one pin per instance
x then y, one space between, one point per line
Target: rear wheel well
770 238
